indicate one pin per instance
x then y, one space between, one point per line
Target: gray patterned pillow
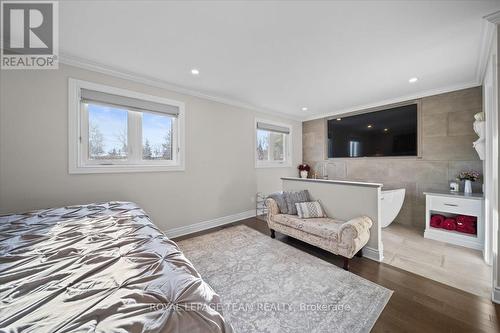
307 210
279 197
292 198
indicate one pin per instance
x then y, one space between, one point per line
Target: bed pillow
307 210
279 197
292 198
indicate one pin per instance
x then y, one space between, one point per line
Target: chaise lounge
345 238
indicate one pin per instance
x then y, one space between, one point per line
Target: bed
99 268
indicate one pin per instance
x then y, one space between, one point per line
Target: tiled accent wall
447 137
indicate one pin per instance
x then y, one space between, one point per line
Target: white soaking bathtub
391 202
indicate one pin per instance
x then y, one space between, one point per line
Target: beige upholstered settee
345 238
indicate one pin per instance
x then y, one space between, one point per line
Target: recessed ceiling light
386 129
194 71
369 126
413 79
339 119
304 108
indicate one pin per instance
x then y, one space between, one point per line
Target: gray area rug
269 286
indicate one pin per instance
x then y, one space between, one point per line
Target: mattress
99 268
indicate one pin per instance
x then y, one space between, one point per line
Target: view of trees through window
270 146
156 136
108 134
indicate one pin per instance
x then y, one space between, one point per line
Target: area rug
270 286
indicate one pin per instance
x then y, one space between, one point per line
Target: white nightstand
452 204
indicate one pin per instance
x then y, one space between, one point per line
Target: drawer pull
453 205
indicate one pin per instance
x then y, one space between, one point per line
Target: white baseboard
495 295
200 226
373 254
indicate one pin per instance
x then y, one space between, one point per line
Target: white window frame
287 149
79 163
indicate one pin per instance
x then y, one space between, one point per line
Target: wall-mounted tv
389 132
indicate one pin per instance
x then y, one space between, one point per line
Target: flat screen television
389 132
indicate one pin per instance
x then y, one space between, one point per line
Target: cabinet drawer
456 205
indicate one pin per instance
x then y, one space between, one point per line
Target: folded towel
437 220
465 219
466 229
449 224
467 224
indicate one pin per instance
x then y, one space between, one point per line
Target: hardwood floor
418 304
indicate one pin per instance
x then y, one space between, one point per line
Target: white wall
220 177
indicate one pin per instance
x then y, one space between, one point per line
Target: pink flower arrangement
469 175
304 167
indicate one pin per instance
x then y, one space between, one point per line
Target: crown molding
493 17
401 99
75 61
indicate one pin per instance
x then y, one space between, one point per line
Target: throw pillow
279 197
292 198
307 210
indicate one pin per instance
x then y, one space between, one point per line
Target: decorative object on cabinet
454 187
479 116
468 187
479 128
455 218
468 177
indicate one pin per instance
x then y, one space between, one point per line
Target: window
157 137
273 145
107 133
114 130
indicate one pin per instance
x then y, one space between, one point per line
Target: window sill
374 158
95 169
272 165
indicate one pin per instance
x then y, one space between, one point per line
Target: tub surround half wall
218 185
446 149
333 181
346 200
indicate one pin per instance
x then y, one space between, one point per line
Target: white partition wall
346 200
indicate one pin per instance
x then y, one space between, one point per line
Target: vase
303 174
468 187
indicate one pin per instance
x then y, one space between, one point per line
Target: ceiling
281 56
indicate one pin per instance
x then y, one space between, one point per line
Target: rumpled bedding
99 268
